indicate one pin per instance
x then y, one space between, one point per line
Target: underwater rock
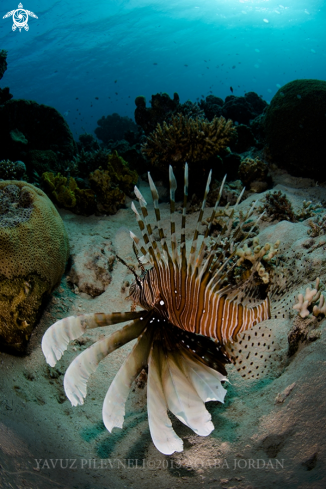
29 126
295 126
114 127
34 249
91 267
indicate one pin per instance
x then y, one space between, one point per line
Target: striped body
186 290
192 305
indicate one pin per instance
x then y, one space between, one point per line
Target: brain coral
33 252
295 126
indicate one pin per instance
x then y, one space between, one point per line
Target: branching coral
257 255
278 207
308 303
187 140
10 170
317 227
308 209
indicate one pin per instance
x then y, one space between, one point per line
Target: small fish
66 113
115 81
266 21
76 98
96 98
155 64
116 93
231 89
233 67
298 96
186 66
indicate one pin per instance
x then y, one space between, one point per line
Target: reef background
280 417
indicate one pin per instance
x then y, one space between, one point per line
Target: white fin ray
182 399
79 371
204 379
57 337
113 411
163 435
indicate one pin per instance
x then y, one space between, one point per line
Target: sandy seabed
268 433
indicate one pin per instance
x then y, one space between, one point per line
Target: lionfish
191 325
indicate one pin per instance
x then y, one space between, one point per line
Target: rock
295 126
91 267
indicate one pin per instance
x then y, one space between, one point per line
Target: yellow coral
187 139
34 249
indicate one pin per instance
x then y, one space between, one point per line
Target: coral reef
258 257
65 192
307 303
187 140
295 126
114 127
243 109
33 253
212 106
252 170
28 126
305 324
277 207
317 227
245 139
87 142
162 108
10 170
113 184
108 187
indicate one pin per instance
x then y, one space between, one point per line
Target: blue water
116 50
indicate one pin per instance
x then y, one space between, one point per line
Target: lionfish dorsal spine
211 219
193 249
173 187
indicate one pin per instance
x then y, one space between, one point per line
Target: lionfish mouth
185 348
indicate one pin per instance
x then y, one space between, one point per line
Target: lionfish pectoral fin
205 380
163 435
79 371
113 411
57 337
255 352
181 397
